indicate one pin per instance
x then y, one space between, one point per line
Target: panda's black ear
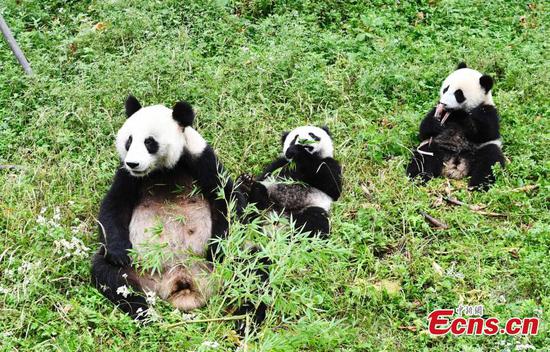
461 65
183 113
486 82
131 105
325 128
283 137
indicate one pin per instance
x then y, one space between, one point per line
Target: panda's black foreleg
220 227
481 172
430 126
313 220
426 164
108 278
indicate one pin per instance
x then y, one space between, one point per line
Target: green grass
253 69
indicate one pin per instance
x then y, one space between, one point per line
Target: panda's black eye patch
445 90
459 96
128 143
151 144
314 136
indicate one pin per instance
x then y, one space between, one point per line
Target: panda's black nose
132 165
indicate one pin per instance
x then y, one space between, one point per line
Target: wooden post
14 47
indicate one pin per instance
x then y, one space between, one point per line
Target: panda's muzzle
439 110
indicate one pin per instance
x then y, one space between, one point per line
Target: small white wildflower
151 297
71 202
56 214
521 347
4 291
25 266
123 290
41 220
103 287
124 276
152 314
73 248
188 316
210 344
245 48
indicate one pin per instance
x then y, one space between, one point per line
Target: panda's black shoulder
486 109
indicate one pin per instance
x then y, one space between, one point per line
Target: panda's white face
464 89
150 139
314 139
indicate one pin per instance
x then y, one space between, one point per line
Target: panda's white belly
182 226
456 167
174 231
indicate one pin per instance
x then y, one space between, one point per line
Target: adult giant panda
302 183
460 136
154 209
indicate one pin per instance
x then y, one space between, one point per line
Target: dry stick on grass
234 317
435 222
474 208
525 188
10 167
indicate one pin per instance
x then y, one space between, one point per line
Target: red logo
443 321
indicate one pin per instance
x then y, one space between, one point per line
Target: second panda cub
302 183
460 136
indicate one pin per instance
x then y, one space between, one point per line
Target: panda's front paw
245 183
296 151
118 255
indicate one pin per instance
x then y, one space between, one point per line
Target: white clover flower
123 290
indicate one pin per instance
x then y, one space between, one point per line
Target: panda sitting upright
302 183
152 205
460 136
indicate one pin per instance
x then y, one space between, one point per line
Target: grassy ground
253 69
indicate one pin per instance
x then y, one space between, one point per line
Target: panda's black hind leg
258 309
481 171
424 165
107 278
313 220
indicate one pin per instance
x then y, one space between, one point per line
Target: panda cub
154 209
460 136
302 183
